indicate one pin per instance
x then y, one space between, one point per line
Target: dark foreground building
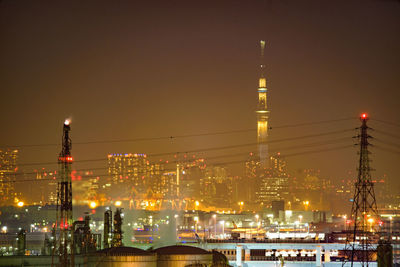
176 256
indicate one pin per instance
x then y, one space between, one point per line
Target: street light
196 220
92 204
258 223
296 224
371 221
176 222
306 203
241 203
251 230
223 228
215 225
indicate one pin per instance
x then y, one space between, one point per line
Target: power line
387 149
173 169
176 136
312 123
134 139
328 142
387 143
387 134
207 149
387 122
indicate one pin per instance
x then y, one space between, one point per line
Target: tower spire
262 112
262 65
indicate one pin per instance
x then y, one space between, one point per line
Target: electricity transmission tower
364 215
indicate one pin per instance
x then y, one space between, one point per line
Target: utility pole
364 214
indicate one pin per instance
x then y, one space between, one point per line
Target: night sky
133 69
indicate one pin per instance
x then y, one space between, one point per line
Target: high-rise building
134 176
262 113
216 186
132 170
168 186
250 184
274 184
191 170
48 187
8 169
157 181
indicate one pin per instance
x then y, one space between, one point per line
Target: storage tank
181 256
122 257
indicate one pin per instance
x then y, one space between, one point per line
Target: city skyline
118 79
212 133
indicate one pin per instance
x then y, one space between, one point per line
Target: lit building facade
250 184
132 170
168 187
8 169
134 176
191 171
47 182
274 184
216 187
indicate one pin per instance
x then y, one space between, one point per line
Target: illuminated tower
64 202
262 113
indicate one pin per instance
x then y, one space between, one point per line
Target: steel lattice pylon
64 202
364 214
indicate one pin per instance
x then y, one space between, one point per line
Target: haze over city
180 88
132 70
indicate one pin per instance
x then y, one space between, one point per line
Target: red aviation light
66 159
364 116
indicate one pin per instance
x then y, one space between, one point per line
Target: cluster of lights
66 159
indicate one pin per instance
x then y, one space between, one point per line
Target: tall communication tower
64 201
364 214
262 113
